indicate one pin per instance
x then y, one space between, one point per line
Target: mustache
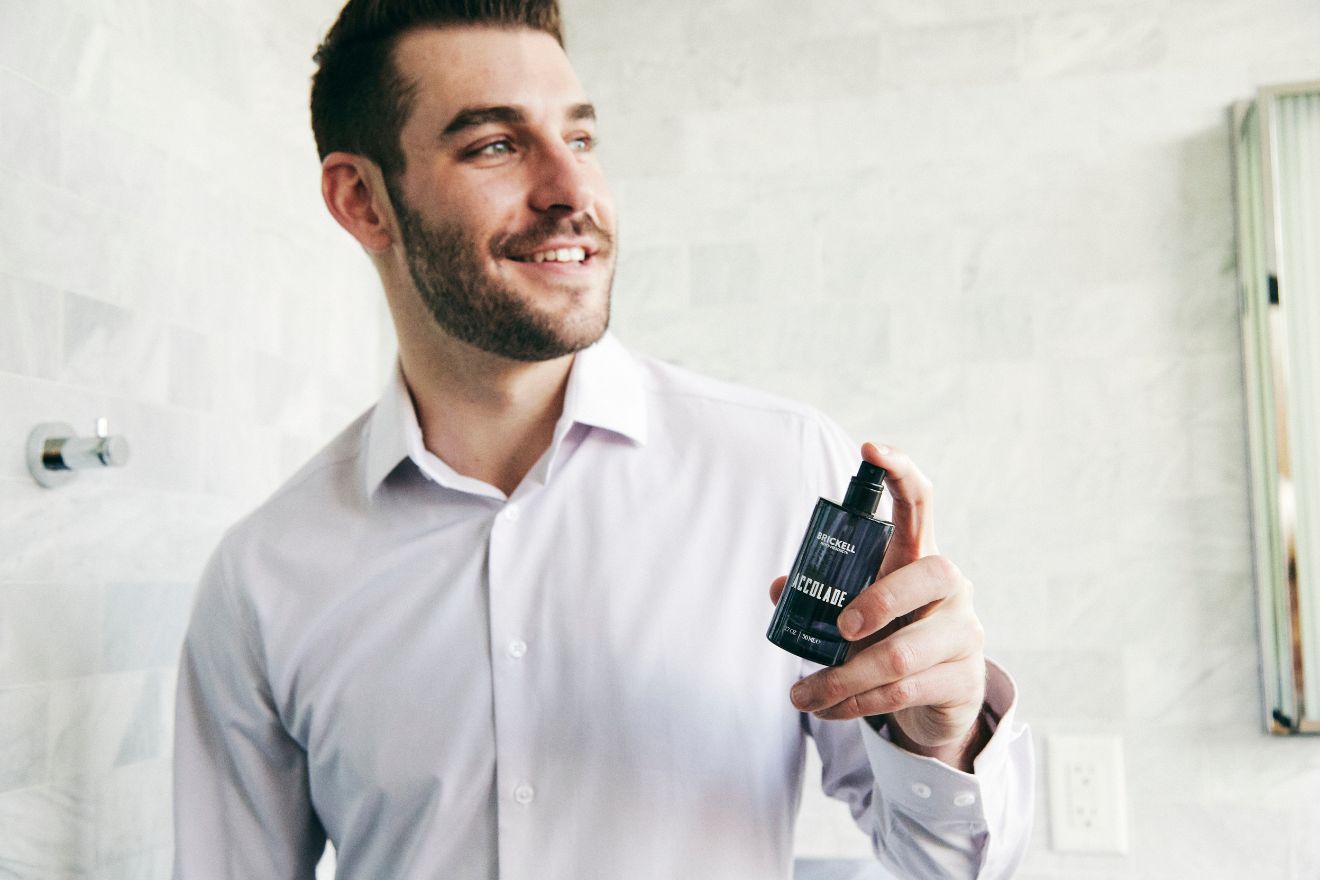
550 228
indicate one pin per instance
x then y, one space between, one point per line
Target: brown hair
360 100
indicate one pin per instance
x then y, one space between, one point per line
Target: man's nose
565 182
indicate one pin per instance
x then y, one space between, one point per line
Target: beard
471 305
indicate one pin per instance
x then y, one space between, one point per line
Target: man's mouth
554 255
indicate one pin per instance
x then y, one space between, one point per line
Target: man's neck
485 416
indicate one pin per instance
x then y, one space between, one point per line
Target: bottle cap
865 489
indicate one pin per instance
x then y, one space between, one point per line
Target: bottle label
819 590
834 543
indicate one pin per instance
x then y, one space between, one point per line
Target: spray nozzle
865 489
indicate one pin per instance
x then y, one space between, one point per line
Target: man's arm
952 793
241 802
925 818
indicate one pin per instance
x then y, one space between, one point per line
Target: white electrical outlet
1088 800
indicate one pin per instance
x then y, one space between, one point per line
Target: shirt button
964 799
511 512
517 648
921 789
523 794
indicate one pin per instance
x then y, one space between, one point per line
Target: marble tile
62 243
973 52
109 347
1203 33
30 334
837 61
50 631
110 167
139 535
648 281
193 369
143 625
23 747
1094 40
284 393
154 864
593 25
33 123
1233 767
42 43
50 831
133 804
716 142
1063 684
105 721
239 464
621 78
1210 686
165 448
1194 840
992 257
722 274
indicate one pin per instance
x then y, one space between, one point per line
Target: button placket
514 751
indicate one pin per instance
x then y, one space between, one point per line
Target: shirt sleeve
242 807
925 818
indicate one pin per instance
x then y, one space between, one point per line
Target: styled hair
360 100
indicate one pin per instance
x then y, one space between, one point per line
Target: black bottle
840 556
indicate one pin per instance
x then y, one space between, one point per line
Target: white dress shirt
570 682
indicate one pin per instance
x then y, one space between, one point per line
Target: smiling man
510 623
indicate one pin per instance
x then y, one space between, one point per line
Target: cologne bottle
840 556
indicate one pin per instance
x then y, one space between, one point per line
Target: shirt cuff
927 786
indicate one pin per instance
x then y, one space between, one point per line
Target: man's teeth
561 255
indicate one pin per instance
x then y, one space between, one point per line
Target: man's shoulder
698 414
672 384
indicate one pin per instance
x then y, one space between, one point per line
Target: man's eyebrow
472 117
579 112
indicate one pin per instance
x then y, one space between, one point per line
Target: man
508 624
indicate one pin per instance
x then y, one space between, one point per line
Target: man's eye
583 143
495 149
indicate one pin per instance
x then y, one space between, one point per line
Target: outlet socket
1088 798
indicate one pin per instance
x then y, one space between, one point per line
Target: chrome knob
55 453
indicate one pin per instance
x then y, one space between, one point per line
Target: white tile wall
1014 213
165 262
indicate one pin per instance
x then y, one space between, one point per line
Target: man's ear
354 192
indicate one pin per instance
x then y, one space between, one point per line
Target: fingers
955 684
914 500
777 587
903 592
897 671
905 482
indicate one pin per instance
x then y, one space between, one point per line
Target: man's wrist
960 755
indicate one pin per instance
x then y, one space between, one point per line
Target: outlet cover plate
1088 797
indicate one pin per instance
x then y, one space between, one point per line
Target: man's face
505 218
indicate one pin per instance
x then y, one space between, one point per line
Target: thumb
777 587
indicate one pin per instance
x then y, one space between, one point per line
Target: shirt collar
604 391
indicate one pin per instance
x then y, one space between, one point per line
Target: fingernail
883 450
849 622
798 695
